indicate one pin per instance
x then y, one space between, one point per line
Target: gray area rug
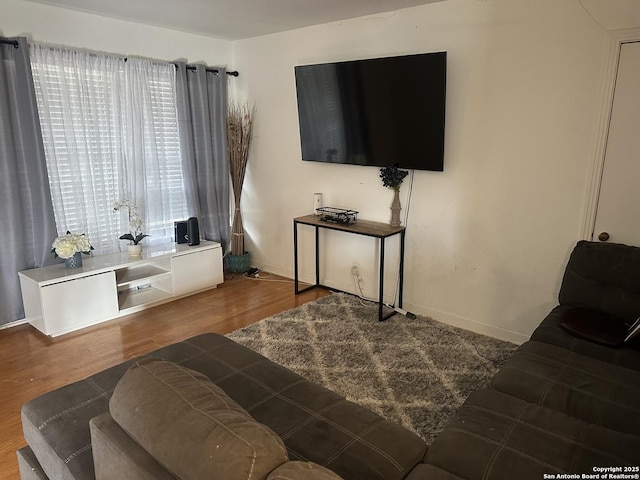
413 372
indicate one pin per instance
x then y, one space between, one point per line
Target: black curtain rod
233 73
193 67
9 42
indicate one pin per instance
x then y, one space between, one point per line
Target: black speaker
193 232
181 231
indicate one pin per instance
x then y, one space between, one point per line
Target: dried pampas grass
239 129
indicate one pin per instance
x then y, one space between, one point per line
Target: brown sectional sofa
562 404
315 424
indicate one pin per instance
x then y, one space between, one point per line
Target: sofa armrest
116 456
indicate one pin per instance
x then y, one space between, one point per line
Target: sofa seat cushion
316 424
550 331
494 436
425 471
577 385
191 426
302 471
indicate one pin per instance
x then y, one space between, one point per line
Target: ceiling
233 19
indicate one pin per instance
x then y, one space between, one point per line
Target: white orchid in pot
135 235
70 247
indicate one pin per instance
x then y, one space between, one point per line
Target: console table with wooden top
378 230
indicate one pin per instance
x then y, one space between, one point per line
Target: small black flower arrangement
392 177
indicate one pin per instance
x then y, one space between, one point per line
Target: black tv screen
378 112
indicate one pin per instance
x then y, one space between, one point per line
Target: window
110 131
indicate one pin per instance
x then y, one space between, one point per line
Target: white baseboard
14 324
448 318
468 324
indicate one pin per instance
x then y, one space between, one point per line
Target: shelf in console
137 298
131 277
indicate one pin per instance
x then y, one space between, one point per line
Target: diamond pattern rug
413 372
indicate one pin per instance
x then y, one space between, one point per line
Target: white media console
58 300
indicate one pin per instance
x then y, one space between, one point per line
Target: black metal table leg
381 286
295 257
296 279
401 274
317 256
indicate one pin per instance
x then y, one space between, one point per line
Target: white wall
42 23
487 239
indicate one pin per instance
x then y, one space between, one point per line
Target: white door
618 212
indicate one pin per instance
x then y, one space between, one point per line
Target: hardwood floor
32 363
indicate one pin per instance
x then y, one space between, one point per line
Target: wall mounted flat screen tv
376 112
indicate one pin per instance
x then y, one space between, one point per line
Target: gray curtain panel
27 224
202 107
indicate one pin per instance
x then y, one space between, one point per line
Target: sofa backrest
603 277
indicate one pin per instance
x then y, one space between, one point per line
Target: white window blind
110 132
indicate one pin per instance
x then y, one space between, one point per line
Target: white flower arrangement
67 245
135 222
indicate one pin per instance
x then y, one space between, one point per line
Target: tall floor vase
395 209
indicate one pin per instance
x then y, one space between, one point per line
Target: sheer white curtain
110 132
